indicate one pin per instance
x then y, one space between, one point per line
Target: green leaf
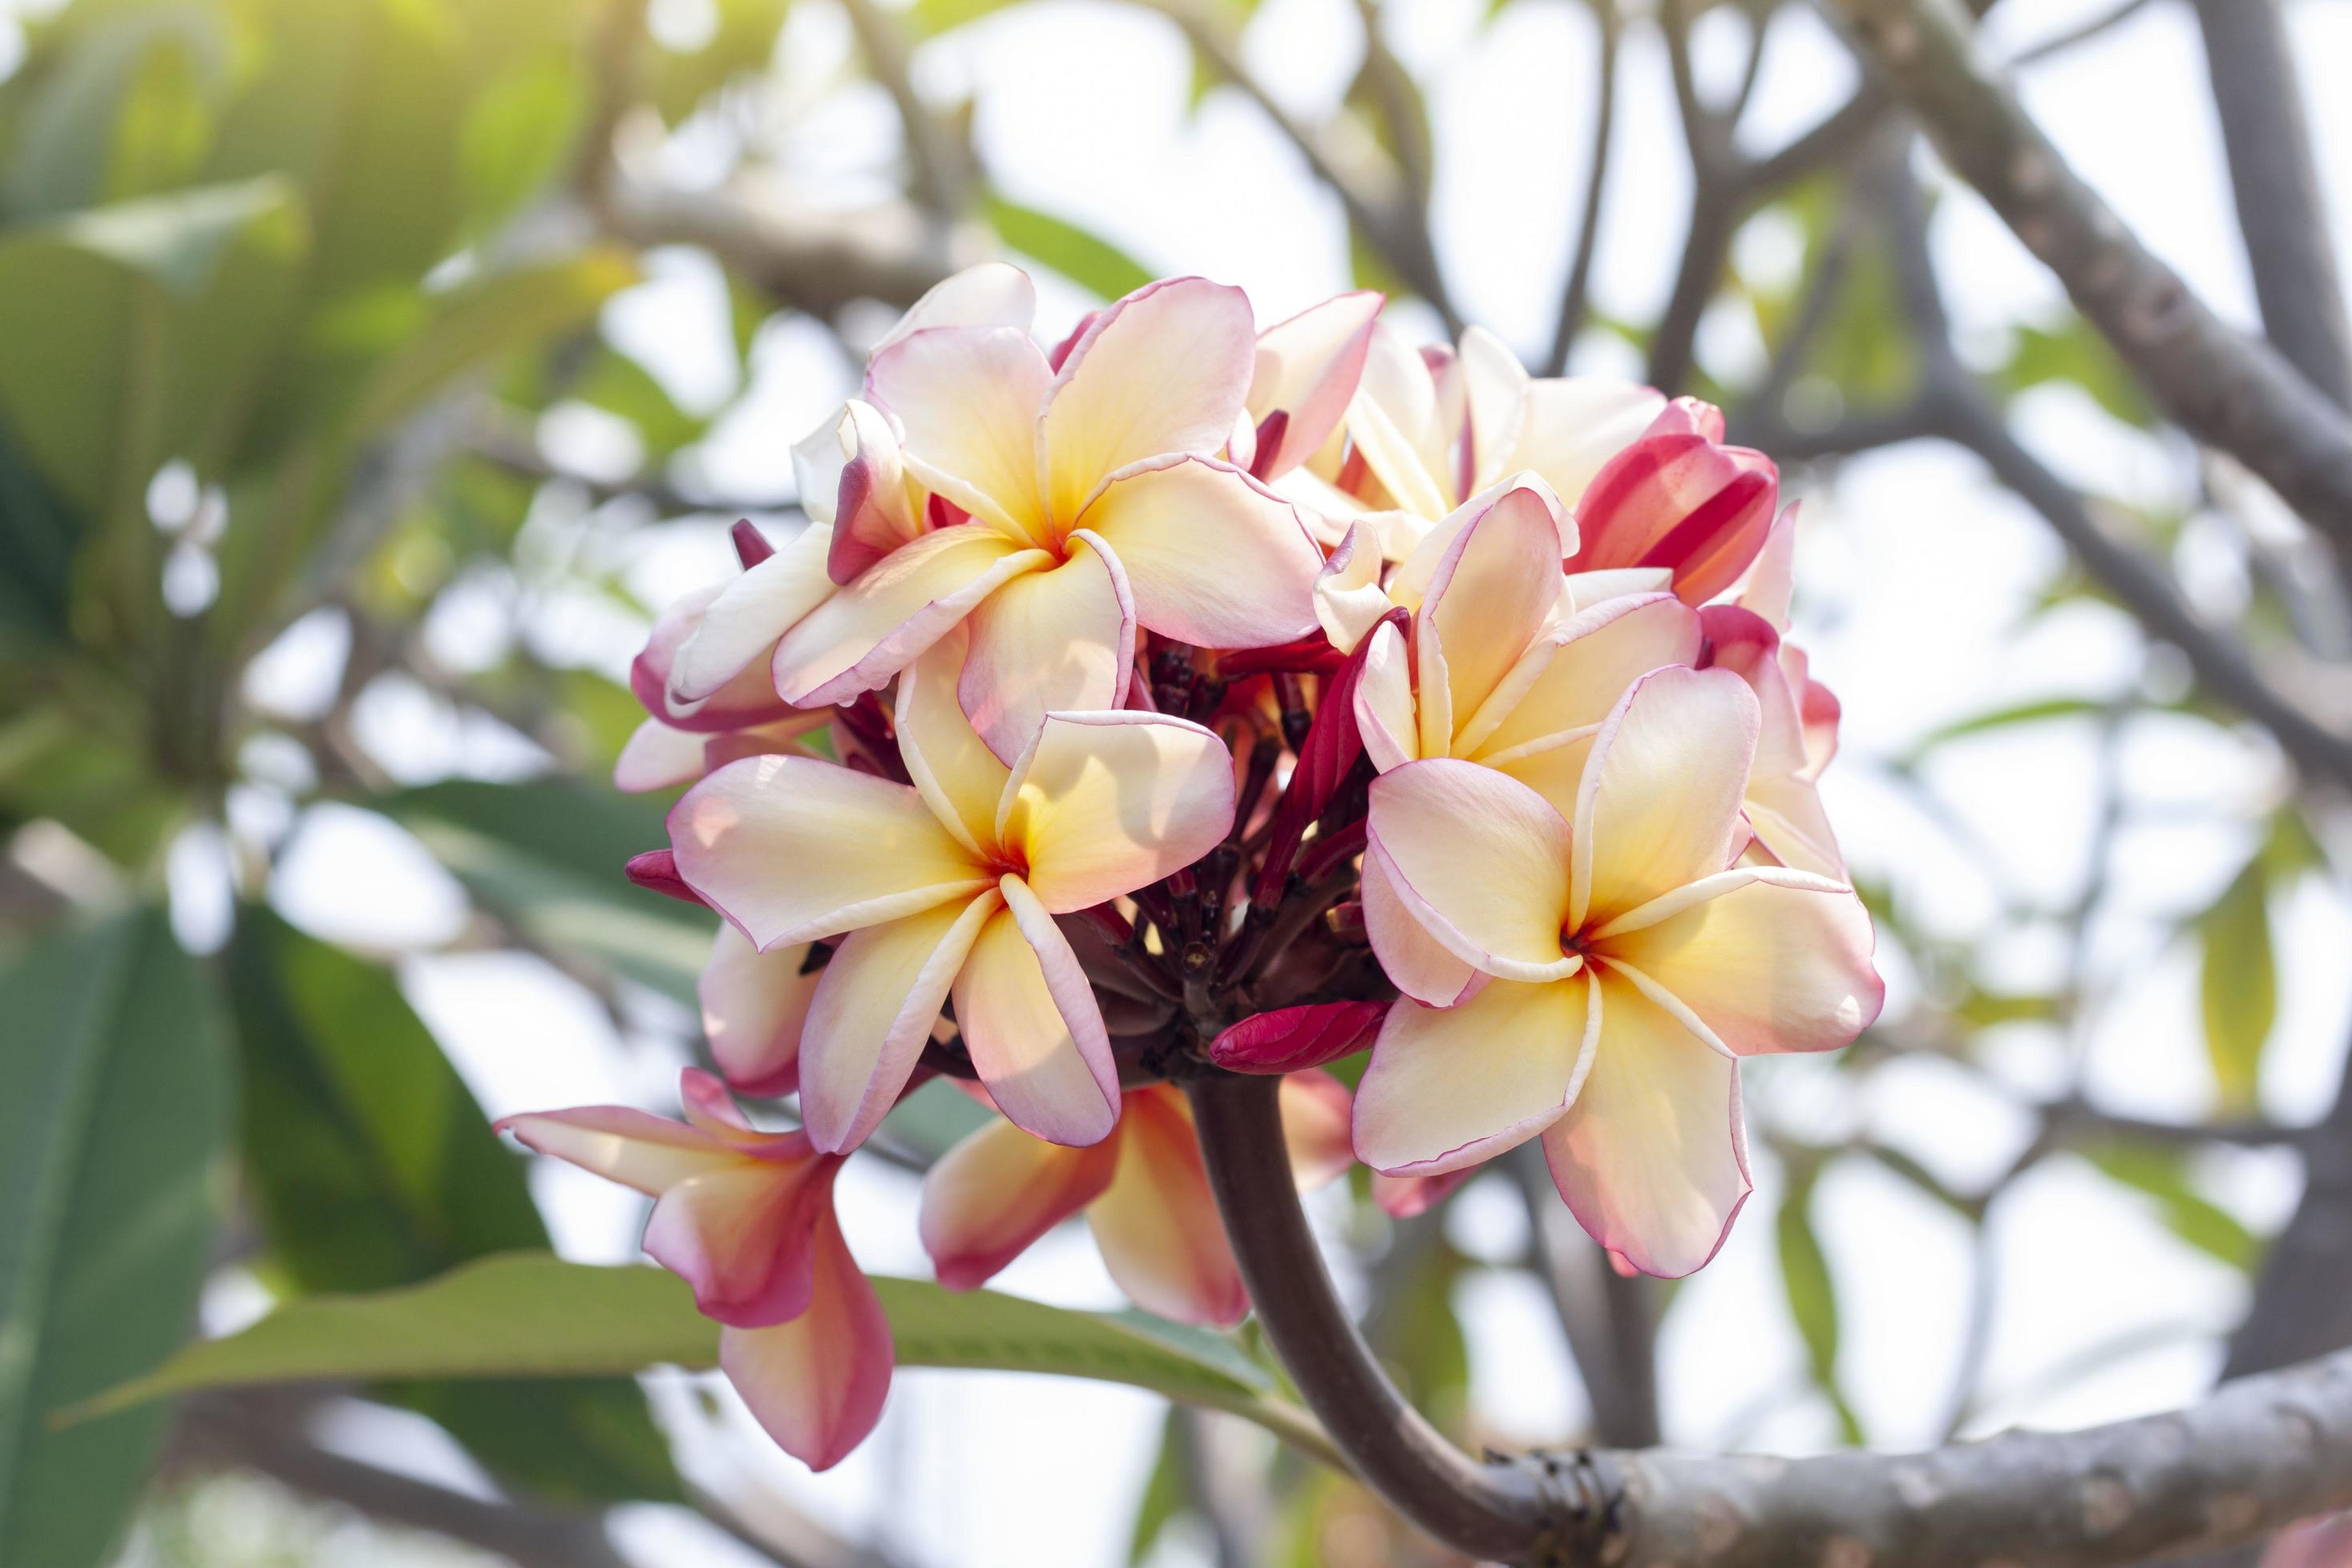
548 854
122 103
2031 712
1084 259
528 1314
2191 1215
2239 984
519 132
2075 352
114 1128
1812 1293
1166 1496
371 1165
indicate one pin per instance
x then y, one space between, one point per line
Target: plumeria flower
950 886
1613 965
1436 428
1094 504
1679 497
1143 1190
746 1218
754 1006
1307 370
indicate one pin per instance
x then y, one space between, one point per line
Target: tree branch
1575 293
2222 388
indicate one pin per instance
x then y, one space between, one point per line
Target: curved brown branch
1576 292
2260 1453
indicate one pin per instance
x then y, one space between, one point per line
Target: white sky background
1915 574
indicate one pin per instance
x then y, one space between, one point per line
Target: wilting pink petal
991 1195
1306 370
1035 1030
1103 804
790 848
1454 1087
753 1004
1156 1223
1183 526
1314 1128
872 1012
1481 861
967 400
1059 637
1291 1038
898 607
816 1384
1659 797
1162 372
1653 1157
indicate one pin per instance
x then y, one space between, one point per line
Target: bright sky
1915 577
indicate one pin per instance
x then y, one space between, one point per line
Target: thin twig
1575 300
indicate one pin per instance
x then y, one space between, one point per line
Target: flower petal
1574 675
658 757
1395 425
1493 591
1481 861
816 1384
1456 1086
753 1004
1653 1157
998 1191
1348 598
951 765
967 400
1569 426
1384 703
732 639
1163 370
1402 1197
1314 1128
636 1148
990 294
790 848
1035 1031
1060 638
1291 1040
1780 962
743 1236
1183 526
876 508
1659 797
1156 1224
867 632
1308 367
1103 804
1414 961
872 1013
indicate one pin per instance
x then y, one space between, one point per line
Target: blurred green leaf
742 43
520 132
2239 984
1166 1497
1984 1009
114 1128
548 854
1389 103
38 537
528 1314
2076 352
2160 1173
2033 712
1812 1292
370 1166
1086 259
120 106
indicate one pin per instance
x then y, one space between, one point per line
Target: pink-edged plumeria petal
877 508
1316 1127
1456 1086
747 698
754 1006
867 632
1162 371
1385 713
1493 591
872 1013
1102 804
636 1148
1415 961
1653 1157
658 757
1680 501
1059 637
791 849
741 1236
1481 861
1349 602
1778 962
732 641
989 294
1035 1030
1773 580
1398 426
998 1191
1292 1039
1575 674
816 1384
1156 1223
967 401
1569 427
1307 368
1495 389
1660 796
1179 525
1402 1197
951 765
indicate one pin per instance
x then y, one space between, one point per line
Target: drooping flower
746 1218
1613 967
1143 1190
1679 497
1094 504
950 886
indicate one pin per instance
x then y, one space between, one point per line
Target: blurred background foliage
298 299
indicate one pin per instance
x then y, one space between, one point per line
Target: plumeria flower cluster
1191 699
